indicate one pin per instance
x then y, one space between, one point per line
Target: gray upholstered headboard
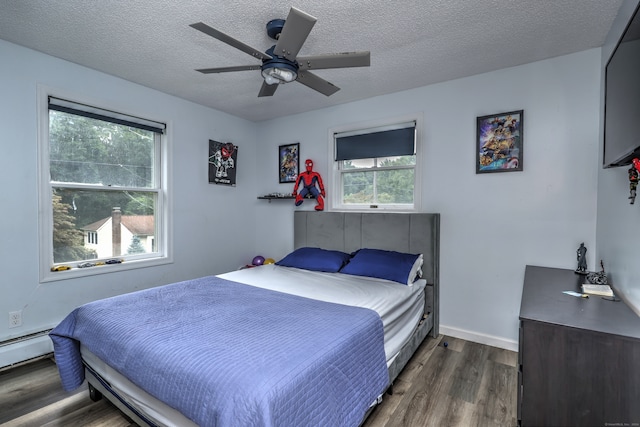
347 232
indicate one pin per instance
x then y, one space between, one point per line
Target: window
102 189
92 237
376 168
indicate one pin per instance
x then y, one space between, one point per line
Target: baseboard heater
17 351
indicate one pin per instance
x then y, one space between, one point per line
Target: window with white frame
376 168
102 188
92 237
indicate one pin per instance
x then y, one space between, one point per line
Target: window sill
73 273
370 208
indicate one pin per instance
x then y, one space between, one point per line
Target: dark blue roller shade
91 112
396 142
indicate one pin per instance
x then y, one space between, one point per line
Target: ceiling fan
280 63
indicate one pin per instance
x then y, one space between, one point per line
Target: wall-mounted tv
622 98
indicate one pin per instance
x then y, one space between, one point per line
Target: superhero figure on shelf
310 180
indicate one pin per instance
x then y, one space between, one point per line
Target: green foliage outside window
68 241
385 183
136 246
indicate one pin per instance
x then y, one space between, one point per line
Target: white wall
213 226
618 227
493 225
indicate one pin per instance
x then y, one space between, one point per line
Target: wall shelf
276 197
270 198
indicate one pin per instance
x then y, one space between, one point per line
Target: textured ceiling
413 43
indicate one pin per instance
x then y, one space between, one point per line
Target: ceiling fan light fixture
280 73
280 63
270 80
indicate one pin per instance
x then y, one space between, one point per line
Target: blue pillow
390 265
315 259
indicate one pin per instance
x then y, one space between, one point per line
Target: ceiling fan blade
228 69
335 60
316 83
229 40
296 29
267 90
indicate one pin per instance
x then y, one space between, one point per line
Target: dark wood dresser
579 358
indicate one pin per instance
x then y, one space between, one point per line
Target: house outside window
136 234
376 167
101 187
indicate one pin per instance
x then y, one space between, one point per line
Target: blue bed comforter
228 354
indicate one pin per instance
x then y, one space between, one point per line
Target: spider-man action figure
309 179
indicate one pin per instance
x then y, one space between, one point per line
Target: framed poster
223 158
499 142
288 163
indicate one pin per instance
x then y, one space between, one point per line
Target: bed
302 347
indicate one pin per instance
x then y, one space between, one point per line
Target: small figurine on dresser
599 278
582 259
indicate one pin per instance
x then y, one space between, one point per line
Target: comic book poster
288 162
499 143
223 158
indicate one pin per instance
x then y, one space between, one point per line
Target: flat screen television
622 98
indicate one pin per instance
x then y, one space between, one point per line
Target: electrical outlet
15 319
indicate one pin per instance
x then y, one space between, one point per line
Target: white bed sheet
400 306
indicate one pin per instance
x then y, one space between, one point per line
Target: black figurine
633 183
582 259
599 278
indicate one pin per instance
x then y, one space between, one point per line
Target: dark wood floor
461 384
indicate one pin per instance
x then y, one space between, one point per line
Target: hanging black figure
582 259
633 183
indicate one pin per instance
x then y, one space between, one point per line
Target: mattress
399 306
154 410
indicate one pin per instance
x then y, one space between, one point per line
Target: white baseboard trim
21 350
479 338
34 347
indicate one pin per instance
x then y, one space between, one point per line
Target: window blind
397 140
76 108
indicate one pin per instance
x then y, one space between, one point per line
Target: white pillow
416 270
